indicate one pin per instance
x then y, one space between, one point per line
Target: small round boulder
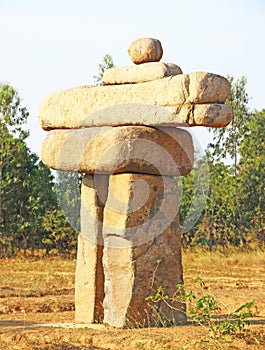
145 50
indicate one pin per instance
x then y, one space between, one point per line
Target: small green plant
238 320
204 310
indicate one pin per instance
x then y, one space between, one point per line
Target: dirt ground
37 306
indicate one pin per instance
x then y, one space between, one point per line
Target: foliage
60 235
227 144
204 310
14 165
26 185
68 191
238 320
12 115
217 223
227 139
106 63
252 176
234 204
195 188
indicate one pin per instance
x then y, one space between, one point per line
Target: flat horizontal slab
167 101
140 74
111 150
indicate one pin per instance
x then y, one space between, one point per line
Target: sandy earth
36 316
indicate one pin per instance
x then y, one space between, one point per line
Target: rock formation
145 50
123 136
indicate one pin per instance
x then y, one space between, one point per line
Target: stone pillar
142 250
89 282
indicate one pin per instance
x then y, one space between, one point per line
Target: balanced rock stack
123 137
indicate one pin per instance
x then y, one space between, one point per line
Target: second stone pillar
89 279
142 250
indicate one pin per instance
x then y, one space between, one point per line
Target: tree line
234 206
31 196
30 215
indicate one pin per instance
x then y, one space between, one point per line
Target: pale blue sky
53 45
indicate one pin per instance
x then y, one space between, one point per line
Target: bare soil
37 306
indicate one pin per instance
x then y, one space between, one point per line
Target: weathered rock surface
89 281
211 115
167 101
107 150
142 249
145 50
140 74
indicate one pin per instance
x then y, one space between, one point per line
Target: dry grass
42 291
234 276
33 276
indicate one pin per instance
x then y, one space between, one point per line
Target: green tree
40 198
106 63
26 186
60 235
195 187
227 141
218 224
68 191
252 175
12 135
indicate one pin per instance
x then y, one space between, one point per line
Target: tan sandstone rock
211 115
89 279
166 101
140 74
106 150
142 249
145 50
